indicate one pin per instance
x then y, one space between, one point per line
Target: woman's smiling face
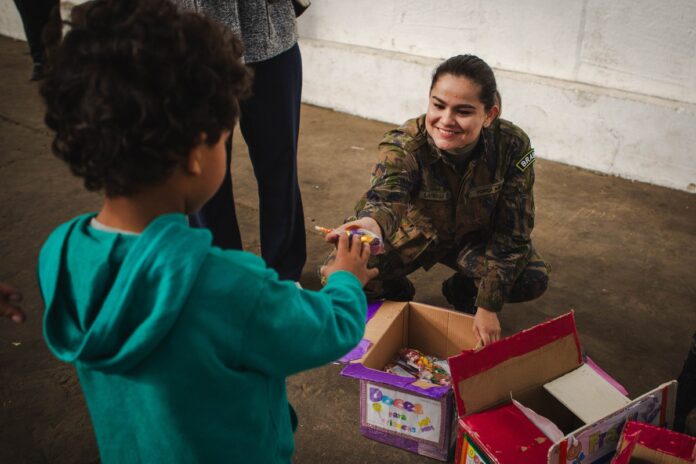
455 114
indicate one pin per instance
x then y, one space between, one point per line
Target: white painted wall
604 85
608 85
642 46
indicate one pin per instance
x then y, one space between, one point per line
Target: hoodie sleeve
291 329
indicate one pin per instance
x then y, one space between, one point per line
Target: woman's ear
491 116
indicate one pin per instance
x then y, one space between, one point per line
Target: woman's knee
530 286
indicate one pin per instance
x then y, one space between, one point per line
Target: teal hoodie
182 348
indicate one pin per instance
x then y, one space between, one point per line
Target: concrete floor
622 255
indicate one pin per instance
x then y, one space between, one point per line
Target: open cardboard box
543 370
415 415
645 444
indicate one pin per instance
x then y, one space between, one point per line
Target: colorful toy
413 363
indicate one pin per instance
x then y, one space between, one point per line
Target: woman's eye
439 106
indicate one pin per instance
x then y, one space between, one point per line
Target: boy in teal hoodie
182 349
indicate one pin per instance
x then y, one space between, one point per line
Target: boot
460 292
399 289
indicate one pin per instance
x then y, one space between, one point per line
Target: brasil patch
526 161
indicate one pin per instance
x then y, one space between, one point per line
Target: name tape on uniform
526 161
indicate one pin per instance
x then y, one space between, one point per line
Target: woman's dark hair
475 69
133 85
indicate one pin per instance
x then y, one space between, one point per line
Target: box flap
644 455
605 376
655 445
623 454
529 358
436 331
439 332
586 394
546 426
365 344
599 439
507 433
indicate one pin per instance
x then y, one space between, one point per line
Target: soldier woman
454 186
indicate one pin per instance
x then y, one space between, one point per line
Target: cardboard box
563 411
415 415
646 444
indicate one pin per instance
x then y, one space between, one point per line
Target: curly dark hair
132 86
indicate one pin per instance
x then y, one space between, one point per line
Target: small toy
376 243
413 363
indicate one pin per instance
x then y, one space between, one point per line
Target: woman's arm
508 248
394 177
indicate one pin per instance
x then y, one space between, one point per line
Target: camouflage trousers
530 282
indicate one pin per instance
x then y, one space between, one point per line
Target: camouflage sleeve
507 251
394 177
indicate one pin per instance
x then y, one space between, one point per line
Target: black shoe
457 290
400 289
37 73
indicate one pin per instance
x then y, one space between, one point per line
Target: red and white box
531 398
647 444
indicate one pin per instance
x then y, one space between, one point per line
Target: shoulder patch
526 161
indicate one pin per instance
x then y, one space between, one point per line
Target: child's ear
193 161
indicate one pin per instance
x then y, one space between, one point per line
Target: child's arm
292 329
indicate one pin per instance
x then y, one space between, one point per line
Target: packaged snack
376 243
411 362
398 369
442 366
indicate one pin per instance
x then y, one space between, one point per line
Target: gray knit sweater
266 28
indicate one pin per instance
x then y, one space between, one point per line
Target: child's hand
351 256
9 303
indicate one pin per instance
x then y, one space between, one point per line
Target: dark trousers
686 393
270 123
469 262
35 15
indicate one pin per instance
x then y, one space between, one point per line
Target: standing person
454 186
270 124
182 348
685 408
35 15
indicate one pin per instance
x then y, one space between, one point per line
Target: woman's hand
486 326
364 223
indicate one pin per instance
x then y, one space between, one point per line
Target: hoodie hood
111 298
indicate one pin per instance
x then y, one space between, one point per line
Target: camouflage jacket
418 198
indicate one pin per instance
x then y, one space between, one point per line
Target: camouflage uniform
477 220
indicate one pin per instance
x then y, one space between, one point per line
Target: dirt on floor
622 255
